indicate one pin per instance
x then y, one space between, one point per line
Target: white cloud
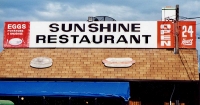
66 12
19 18
51 10
190 7
14 14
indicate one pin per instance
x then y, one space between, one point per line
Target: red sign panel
187 38
165 34
16 34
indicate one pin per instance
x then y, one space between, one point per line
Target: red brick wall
158 64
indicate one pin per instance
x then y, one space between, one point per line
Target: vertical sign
16 34
165 34
187 34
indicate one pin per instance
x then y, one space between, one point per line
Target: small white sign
41 62
15 41
118 62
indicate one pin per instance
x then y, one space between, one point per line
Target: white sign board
41 62
118 62
100 34
134 34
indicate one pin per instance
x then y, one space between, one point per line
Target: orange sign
16 34
187 34
165 32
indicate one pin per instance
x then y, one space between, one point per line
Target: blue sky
79 10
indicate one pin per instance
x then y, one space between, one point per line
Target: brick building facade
151 64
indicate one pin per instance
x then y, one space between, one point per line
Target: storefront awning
69 89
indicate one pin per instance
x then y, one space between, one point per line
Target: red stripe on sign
16 34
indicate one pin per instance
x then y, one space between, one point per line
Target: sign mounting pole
176 27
